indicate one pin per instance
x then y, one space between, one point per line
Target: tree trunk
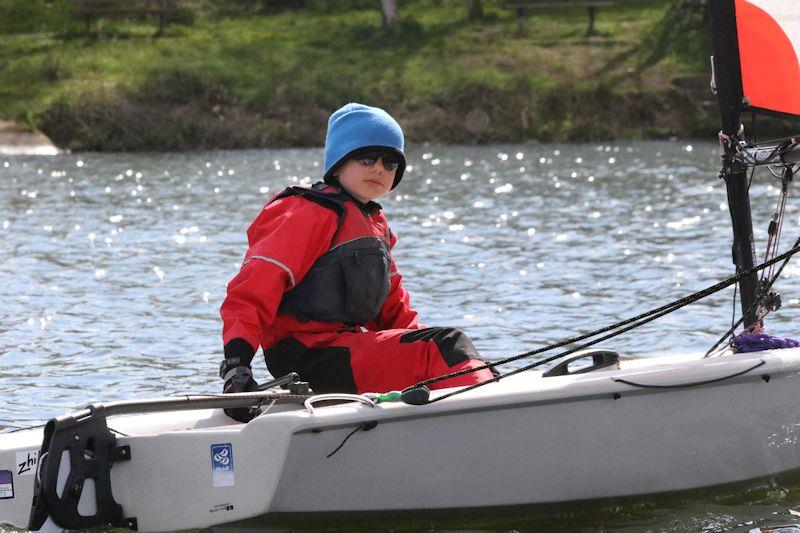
475 8
389 15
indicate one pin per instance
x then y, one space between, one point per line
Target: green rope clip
416 396
391 396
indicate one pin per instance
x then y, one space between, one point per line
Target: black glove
235 370
240 379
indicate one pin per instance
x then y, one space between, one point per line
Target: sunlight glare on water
114 265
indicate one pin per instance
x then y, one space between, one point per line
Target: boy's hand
239 379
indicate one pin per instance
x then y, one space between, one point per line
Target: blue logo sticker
222 457
222 465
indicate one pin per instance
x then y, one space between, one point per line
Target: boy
319 290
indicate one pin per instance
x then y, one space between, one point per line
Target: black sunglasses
390 161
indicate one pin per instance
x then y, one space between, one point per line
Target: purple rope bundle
756 342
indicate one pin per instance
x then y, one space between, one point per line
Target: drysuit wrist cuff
238 352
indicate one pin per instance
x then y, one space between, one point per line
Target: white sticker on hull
222 465
6 485
26 462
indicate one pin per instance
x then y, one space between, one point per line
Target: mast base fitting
770 302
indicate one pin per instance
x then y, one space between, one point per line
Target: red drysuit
320 293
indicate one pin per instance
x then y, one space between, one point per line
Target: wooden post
591 31
161 18
475 8
389 15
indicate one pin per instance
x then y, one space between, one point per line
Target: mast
728 80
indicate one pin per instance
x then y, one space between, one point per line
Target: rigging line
339 447
712 351
687 385
691 299
786 180
781 147
773 174
266 409
366 426
760 296
727 334
636 321
782 203
772 231
776 223
596 341
554 357
734 324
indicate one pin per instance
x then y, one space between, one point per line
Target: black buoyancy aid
350 282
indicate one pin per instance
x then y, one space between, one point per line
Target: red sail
769 38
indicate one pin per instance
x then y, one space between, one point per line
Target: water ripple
114 265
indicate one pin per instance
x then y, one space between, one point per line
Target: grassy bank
245 78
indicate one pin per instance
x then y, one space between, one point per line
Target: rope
687 385
278 397
760 296
776 222
366 426
622 327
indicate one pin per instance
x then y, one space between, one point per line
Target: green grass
296 65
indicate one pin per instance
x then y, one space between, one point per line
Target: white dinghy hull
654 426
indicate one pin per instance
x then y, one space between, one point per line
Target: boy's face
366 177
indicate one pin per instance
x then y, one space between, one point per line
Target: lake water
113 267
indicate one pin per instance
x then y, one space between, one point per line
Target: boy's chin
367 197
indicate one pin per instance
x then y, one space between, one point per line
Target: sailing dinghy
580 425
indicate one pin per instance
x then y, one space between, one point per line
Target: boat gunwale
774 365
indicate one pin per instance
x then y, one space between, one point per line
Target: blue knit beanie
355 126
